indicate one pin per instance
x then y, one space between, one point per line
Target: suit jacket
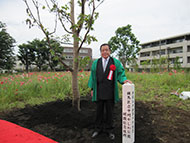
105 87
119 76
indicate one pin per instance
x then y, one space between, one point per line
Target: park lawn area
35 88
159 86
19 90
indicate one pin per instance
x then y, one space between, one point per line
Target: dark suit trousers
104 115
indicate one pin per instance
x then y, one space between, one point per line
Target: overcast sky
150 20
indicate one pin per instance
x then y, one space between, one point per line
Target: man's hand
127 81
91 93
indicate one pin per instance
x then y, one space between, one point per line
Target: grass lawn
18 90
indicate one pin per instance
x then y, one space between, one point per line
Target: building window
188 48
68 50
176 60
175 40
187 37
155 53
154 44
85 51
146 46
69 57
146 54
163 42
188 59
176 50
162 52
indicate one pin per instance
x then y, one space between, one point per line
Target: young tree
6 48
124 44
72 24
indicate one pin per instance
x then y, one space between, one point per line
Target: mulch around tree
62 123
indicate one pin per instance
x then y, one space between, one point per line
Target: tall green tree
26 55
124 44
77 18
40 52
6 48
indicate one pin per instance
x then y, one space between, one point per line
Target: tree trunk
40 68
27 68
76 94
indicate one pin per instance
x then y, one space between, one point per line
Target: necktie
104 65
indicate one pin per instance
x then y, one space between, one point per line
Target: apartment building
84 52
170 48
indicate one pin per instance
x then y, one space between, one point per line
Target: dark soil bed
60 122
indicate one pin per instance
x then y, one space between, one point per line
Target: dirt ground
60 122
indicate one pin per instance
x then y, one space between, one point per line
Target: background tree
53 60
124 44
40 52
76 25
6 48
37 52
26 55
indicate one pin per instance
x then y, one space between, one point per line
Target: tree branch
63 25
91 18
99 4
38 21
81 21
58 11
55 27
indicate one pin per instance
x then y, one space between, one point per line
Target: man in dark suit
105 73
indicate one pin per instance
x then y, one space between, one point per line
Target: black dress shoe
95 134
111 136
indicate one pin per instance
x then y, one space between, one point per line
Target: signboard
128 113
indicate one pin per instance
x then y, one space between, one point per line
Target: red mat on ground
12 133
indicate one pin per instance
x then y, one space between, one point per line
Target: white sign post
128 113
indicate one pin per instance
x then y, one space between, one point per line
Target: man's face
105 51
